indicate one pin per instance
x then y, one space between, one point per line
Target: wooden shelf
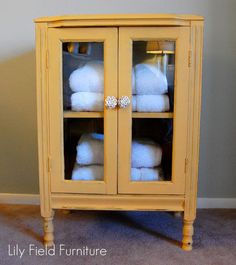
97 114
157 115
74 114
162 52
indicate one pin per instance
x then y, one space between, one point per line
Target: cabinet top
119 19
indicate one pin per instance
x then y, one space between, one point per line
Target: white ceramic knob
124 102
111 102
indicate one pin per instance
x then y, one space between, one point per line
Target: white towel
145 153
87 101
92 172
133 82
146 174
90 149
134 103
88 78
149 80
96 172
150 103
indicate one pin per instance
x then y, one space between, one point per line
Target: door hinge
186 165
47 59
49 164
189 58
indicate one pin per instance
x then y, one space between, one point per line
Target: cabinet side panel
195 85
42 118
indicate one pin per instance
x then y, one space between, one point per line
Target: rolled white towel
96 172
87 101
145 153
146 174
133 82
88 78
92 172
134 103
90 149
149 80
151 103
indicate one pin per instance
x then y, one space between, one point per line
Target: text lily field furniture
118 105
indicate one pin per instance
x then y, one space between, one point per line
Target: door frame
109 36
180 116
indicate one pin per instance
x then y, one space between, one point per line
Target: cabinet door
83 134
152 130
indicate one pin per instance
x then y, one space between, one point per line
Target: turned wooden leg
48 231
187 235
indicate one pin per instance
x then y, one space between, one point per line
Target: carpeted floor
145 238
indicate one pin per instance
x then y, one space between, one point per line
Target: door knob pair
111 102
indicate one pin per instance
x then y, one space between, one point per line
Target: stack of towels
149 88
146 159
87 83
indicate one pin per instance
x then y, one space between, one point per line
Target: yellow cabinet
118 99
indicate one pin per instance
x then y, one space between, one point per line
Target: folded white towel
149 80
92 172
134 103
90 149
133 82
96 172
145 153
87 101
88 78
150 103
146 174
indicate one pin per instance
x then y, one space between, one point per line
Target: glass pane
83 76
83 88
152 91
84 149
151 149
153 76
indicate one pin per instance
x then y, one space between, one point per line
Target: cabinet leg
48 231
187 235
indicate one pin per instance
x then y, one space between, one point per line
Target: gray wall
18 147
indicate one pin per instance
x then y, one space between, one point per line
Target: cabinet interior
158 130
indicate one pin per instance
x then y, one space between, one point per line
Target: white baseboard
225 203
202 203
18 198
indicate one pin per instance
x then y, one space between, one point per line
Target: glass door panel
153 64
83 76
84 149
154 78
82 129
83 91
153 70
151 151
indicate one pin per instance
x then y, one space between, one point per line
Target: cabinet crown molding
119 19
